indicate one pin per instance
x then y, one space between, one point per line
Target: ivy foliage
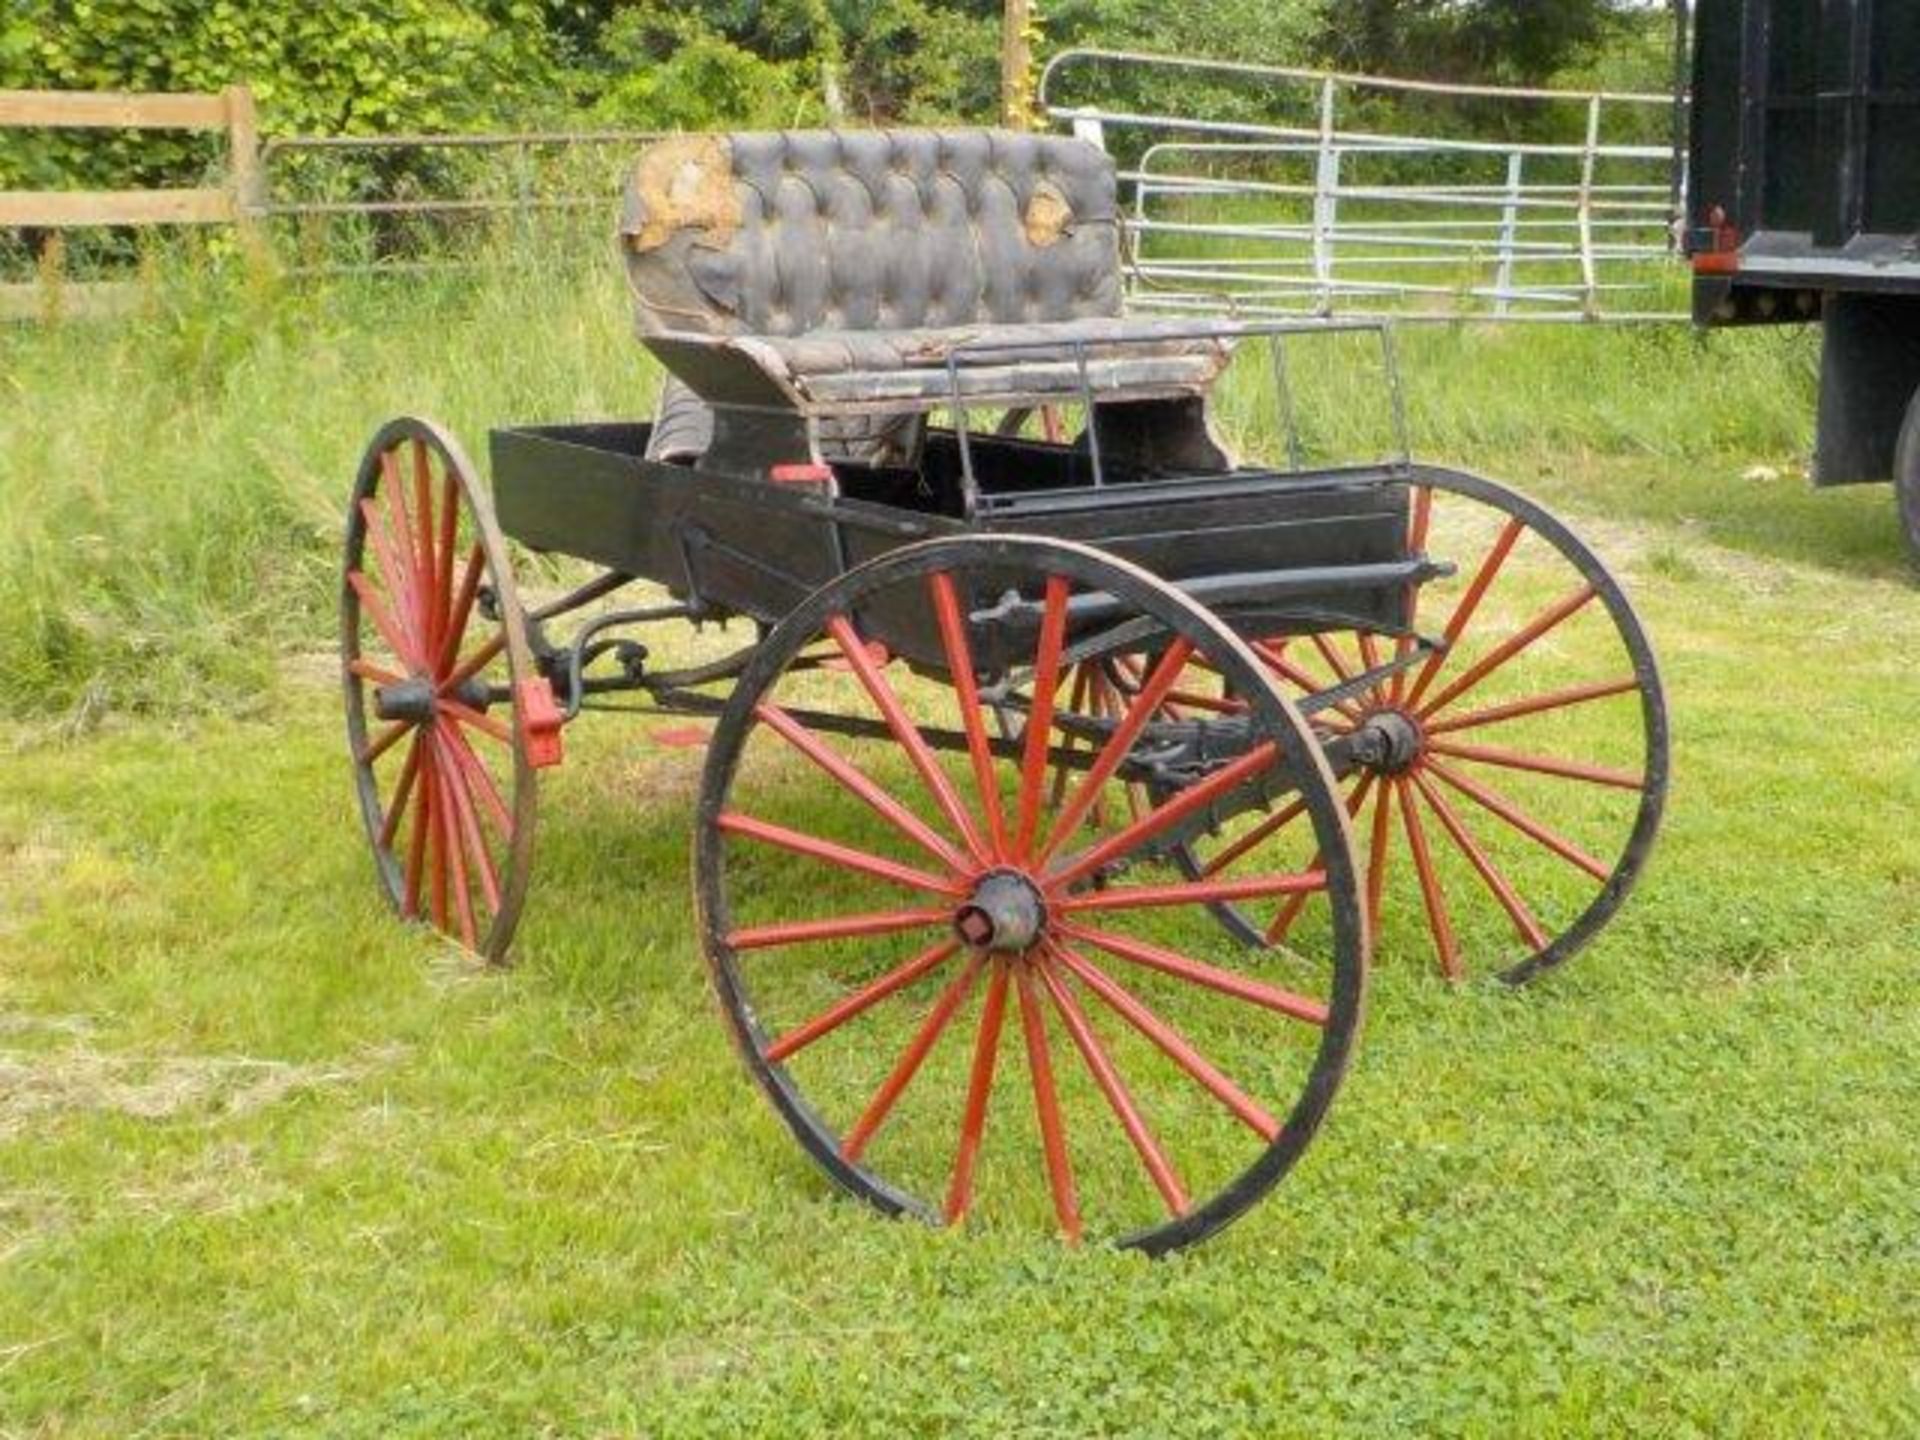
385 66
346 67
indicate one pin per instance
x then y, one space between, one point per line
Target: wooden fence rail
239 202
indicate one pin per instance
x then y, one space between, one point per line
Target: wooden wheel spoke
373 674
1497 804
1377 854
1370 658
453 860
1046 680
417 839
1159 1169
1194 892
1332 656
467 715
1198 972
402 792
1490 566
442 612
1046 1104
1490 876
973 1120
1540 764
860 786
854 652
473 664
375 609
832 853
1274 657
862 1000
468 822
1269 826
1542 623
480 780
1290 912
1204 702
400 581
388 736
438 851
1172 1044
953 640
856 1140
423 505
462 611
1418 528
1431 893
1118 744
838 927
1554 700
1077 702
1195 797
400 517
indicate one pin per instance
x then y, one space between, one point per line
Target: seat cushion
835 367
785 232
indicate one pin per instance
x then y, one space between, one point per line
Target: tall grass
171 484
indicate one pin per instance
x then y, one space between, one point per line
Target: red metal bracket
540 722
1721 256
804 474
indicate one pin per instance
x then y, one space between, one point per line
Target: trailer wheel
1906 478
1525 771
446 719
891 897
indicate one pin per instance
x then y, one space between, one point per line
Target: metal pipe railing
1304 196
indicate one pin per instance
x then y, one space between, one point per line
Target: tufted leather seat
846 268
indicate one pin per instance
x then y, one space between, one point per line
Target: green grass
271 1162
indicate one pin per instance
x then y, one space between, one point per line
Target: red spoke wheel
445 715
963 999
1514 781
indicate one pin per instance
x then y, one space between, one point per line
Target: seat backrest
780 233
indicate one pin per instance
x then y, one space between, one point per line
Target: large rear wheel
1511 783
899 903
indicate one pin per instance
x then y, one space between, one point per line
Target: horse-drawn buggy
1084 750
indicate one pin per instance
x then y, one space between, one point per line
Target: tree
350 67
1520 42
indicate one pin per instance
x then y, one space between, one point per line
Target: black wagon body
1804 200
1310 551
1034 710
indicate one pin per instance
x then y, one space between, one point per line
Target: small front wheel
900 901
446 719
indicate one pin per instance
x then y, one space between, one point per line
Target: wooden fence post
241 202
244 175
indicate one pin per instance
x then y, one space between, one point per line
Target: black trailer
1804 205
1106 739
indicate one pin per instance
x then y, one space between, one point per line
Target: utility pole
1016 64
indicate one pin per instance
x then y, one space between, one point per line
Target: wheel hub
1005 914
410 699
1391 741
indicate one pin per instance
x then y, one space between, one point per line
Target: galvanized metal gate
1308 196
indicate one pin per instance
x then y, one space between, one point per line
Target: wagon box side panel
1195 532
727 544
571 490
